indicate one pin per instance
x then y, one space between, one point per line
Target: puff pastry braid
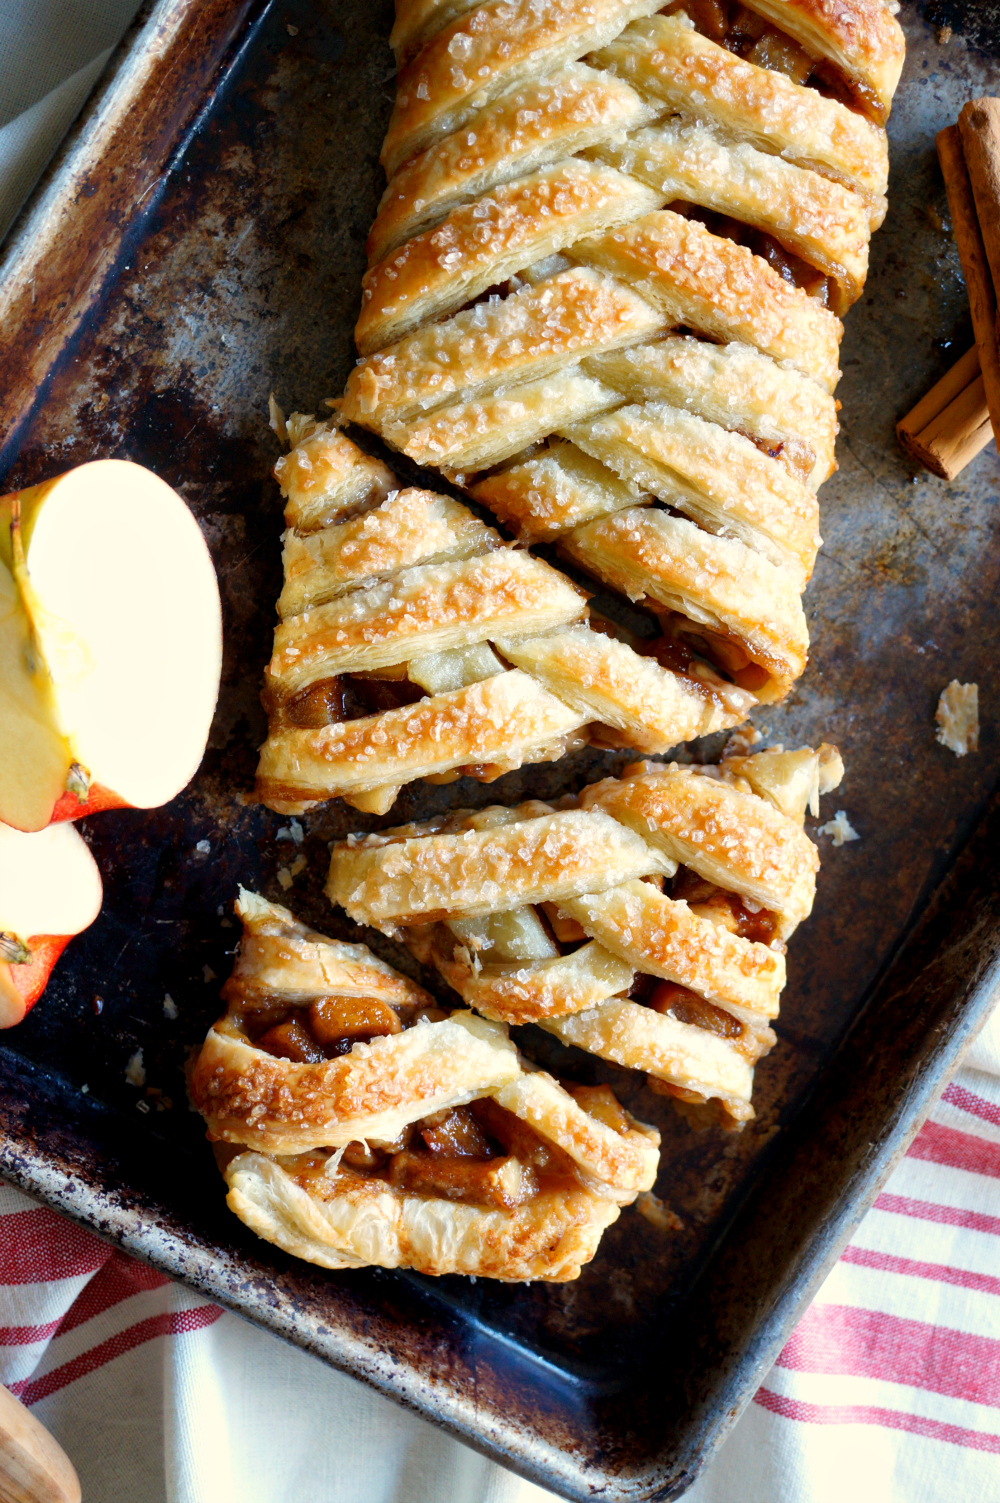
645 922
385 665
359 1124
605 284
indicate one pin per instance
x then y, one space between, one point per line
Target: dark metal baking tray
197 244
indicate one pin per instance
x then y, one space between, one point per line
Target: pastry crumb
292 831
840 828
203 847
957 717
287 874
208 974
135 1070
276 418
169 1007
656 1213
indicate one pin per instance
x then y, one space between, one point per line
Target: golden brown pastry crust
728 836
536 860
863 39
457 889
494 328
665 59
546 120
481 244
735 387
427 608
409 528
721 480
354 1223
293 1192
717 582
504 721
721 290
407 591
499 46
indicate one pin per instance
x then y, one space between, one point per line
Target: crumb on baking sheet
135 1070
169 1008
656 1213
840 828
957 717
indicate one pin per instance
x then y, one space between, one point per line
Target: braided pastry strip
563 917
605 281
383 669
452 1156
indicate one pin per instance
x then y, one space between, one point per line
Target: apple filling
733 912
325 1029
688 648
707 657
347 696
480 1154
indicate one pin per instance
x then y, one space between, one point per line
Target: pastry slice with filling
414 643
358 1123
645 921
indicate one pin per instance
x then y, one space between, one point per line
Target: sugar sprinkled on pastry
357 1123
603 298
647 923
395 604
605 285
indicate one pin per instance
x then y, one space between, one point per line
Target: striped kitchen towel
887 1392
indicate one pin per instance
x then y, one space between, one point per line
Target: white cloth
887 1393
53 53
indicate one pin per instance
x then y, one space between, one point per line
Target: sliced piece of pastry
647 923
414 643
357 1123
605 286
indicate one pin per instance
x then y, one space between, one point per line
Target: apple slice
50 889
110 644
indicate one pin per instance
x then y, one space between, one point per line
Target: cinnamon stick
975 265
979 124
951 424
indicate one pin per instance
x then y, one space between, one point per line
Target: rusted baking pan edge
649 1437
102 182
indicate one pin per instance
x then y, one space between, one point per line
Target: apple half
50 889
110 644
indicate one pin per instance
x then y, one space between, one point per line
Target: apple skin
22 985
49 880
97 801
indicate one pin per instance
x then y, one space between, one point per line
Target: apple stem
13 950
78 781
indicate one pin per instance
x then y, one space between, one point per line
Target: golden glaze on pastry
608 272
666 954
383 1130
384 668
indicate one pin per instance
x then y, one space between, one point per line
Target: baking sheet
210 217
